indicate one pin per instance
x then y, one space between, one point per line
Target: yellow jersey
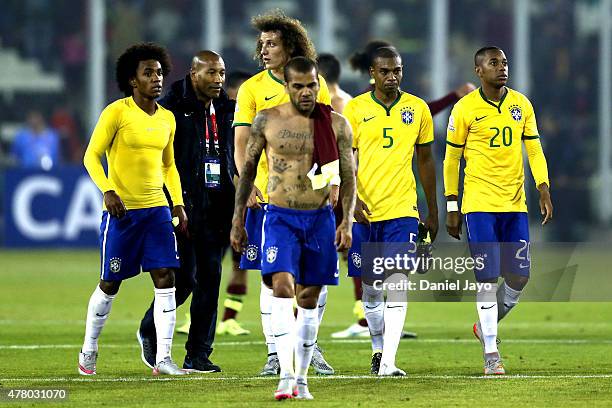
139 152
263 91
490 136
385 138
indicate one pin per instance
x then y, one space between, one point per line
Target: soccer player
388 126
299 228
136 134
281 38
329 68
488 127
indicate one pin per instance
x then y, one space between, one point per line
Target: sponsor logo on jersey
271 254
115 265
407 115
516 112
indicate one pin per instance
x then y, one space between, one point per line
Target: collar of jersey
388 110
275 78
498 107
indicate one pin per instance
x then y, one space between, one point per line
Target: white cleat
87 363
286 389
302 391
354 330
390 371
494 366
167 367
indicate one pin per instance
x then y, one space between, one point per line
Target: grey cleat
167 367
272 366
318 362
302 390
390 371
87 363
493 365
286 388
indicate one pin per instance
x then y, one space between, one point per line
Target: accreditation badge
212 173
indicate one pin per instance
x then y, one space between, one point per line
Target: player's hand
252 200
464 89
453 224
344 236
546 207
238 236
179 212
432 225
360 209
113 204
334 193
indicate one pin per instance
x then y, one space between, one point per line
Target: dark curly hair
293 35
127 63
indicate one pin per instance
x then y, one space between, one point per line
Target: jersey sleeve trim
236 124
525 137
455 144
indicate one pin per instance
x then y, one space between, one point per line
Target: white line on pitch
323 341
313 378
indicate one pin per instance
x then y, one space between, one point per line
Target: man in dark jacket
203 150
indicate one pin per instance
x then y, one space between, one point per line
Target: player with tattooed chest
300 238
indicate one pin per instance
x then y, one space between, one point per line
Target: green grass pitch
555 353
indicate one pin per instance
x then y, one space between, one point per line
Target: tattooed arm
255 145
344 136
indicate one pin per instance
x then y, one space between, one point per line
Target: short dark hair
480 54
293 34
329 66
234 78
384 52
127 63
362 60
302 65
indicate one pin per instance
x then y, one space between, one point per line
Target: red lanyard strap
213 120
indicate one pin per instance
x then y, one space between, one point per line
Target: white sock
507 298
486 303
283 327
373 306
164 315
395 315
265 307
322 303
307 326
97 312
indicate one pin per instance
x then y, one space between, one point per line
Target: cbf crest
271 254
115 265
407 115
516 112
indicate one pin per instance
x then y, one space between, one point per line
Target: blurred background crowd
44 54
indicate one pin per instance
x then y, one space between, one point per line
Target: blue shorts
142 238
400 230
251 258
300 242
361 233
502 239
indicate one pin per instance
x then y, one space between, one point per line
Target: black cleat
200 364
148 348
375 365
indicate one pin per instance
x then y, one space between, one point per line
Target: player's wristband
452 206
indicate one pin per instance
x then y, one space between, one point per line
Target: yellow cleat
184 329
232 328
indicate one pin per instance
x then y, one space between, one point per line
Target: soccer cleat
424 249
184 328
148 349
408 335
494 365
231 327
354 330
286 389
200 364
390 371
272 366
375 364
302 391
318 362
167 367
87 363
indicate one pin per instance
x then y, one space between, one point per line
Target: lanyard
213 120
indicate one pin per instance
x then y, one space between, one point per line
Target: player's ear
477 70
